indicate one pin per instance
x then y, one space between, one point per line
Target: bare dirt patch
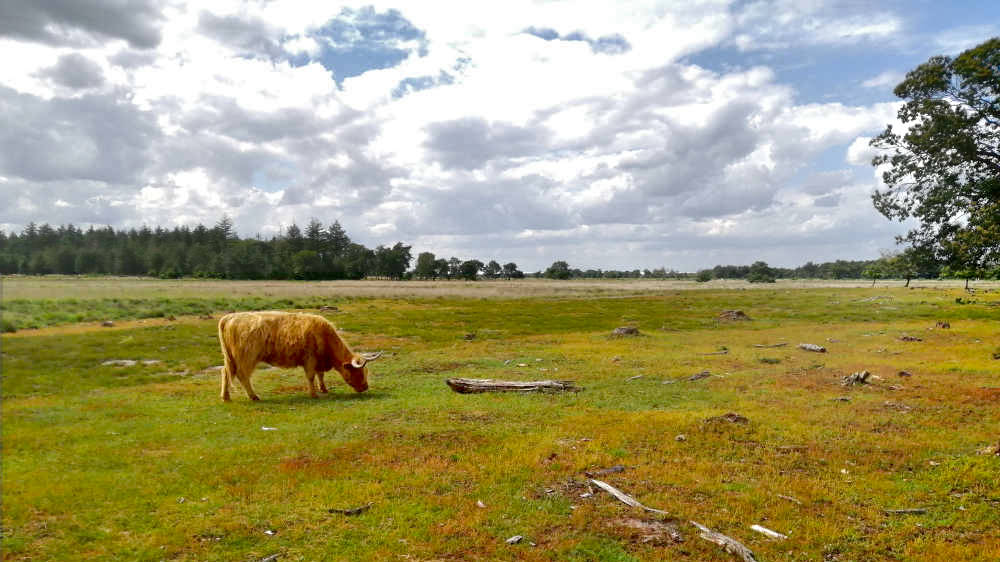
648 531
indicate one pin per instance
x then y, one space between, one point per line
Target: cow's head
354 371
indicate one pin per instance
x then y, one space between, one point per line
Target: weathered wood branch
771 345
789 498
765 531
908 511
470 386
731 545
354 510
861 377
622 496
812 347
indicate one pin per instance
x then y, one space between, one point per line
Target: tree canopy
944 170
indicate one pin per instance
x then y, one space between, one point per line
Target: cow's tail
228 361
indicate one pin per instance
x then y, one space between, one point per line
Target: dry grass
70 287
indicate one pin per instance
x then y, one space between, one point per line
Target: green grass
146 463
20 314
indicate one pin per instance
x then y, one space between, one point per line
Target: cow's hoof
255 397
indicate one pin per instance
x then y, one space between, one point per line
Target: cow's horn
359 362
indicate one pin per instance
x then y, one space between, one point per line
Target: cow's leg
310 368
322 383
244 376
225 376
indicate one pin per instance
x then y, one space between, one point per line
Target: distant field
69 287
144 462
38 302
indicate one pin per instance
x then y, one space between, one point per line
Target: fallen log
471 386
729 544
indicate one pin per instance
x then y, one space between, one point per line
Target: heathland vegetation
116 444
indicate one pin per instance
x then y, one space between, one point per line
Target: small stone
515 539
480 504
681 437
107 323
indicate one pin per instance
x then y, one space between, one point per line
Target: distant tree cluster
317 253
562 270
430 266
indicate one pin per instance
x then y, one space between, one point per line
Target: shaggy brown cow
287 339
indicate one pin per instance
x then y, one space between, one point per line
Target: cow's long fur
284 339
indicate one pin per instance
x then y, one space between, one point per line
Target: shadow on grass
305 400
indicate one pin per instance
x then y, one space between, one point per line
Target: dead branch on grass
768 532
861 377
354 510
729 544
472 386
907 511
622 496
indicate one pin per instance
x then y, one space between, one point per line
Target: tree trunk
907 282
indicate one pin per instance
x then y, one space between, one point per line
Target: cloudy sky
610 134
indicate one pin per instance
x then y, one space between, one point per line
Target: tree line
320 253
315 253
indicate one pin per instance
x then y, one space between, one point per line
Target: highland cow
287 339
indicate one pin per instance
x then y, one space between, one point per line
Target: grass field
144 462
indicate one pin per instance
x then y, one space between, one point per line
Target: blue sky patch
357 41
614 44
417 83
